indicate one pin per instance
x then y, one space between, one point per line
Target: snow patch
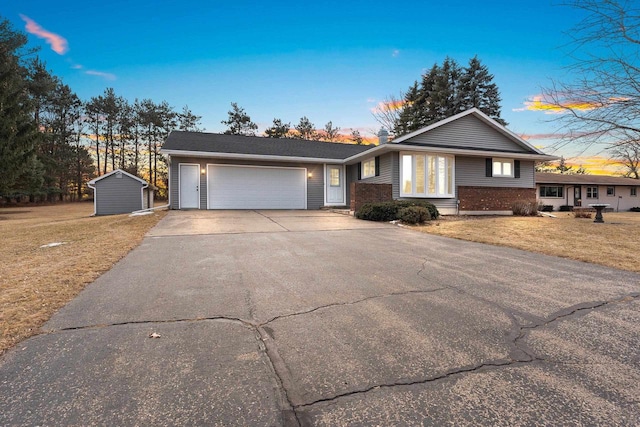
54 244
141 213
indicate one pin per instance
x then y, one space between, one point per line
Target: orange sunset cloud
388 105
58 43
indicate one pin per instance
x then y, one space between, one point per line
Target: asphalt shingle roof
558 178
239 144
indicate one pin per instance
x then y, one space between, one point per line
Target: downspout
95 201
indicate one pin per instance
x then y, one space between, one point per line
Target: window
634 191
551 191
369 168
334 180
502 167
592 192
426 175
611 191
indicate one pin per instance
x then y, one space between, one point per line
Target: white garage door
251 187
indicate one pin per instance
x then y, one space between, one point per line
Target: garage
256 187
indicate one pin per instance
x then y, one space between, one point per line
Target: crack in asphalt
150 322
337 304
518 334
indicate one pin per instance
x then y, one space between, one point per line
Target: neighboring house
119 192
467 163
581 190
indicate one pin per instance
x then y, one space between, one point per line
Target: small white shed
119 192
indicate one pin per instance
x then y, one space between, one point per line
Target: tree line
52 142
239 123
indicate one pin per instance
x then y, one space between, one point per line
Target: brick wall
492 198
362 193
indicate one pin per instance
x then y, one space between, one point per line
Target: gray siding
385 177
315 184
470 171
117 195
468 132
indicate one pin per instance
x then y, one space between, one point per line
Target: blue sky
328 60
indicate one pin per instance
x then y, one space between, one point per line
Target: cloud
371 100
539 103
107 76
58 43
395 53
77 67
388 105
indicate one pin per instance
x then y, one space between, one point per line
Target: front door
577 196
334 184
189 177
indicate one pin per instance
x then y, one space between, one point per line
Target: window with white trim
368 168
611 191
426 175
502 167
335 177
551 191
592 192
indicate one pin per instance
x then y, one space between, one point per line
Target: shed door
189 186
256 187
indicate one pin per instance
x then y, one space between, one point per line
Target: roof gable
216 144
471 129
116 171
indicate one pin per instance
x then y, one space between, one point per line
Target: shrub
635 209
388 211
565 208
422 203
581 213
383 211
524 208
414 214
545 208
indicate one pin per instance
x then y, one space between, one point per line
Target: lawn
616 243
36 281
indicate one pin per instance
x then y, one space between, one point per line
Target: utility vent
118 174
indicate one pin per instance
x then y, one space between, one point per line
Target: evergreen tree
446 90
479 91
278 129
188 121
306 129
239 122
356 137
330 133
18 133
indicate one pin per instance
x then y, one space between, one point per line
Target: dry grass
35 282
615 243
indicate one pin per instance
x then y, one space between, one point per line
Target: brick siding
362 193
492 198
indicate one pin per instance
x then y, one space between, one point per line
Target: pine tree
446 90
479 91
306 129
329 132
18 133
239 122
278 129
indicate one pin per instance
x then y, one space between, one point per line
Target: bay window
426 175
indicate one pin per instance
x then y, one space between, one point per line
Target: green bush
383 211
414 214
524 208
388 211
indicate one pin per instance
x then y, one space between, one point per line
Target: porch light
309 175
203 171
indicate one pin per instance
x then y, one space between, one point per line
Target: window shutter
359 171
377 165
489 167
516 168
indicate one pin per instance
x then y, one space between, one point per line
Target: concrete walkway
328 320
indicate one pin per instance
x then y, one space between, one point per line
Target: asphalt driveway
315 318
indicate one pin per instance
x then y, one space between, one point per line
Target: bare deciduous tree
629 156
602 104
